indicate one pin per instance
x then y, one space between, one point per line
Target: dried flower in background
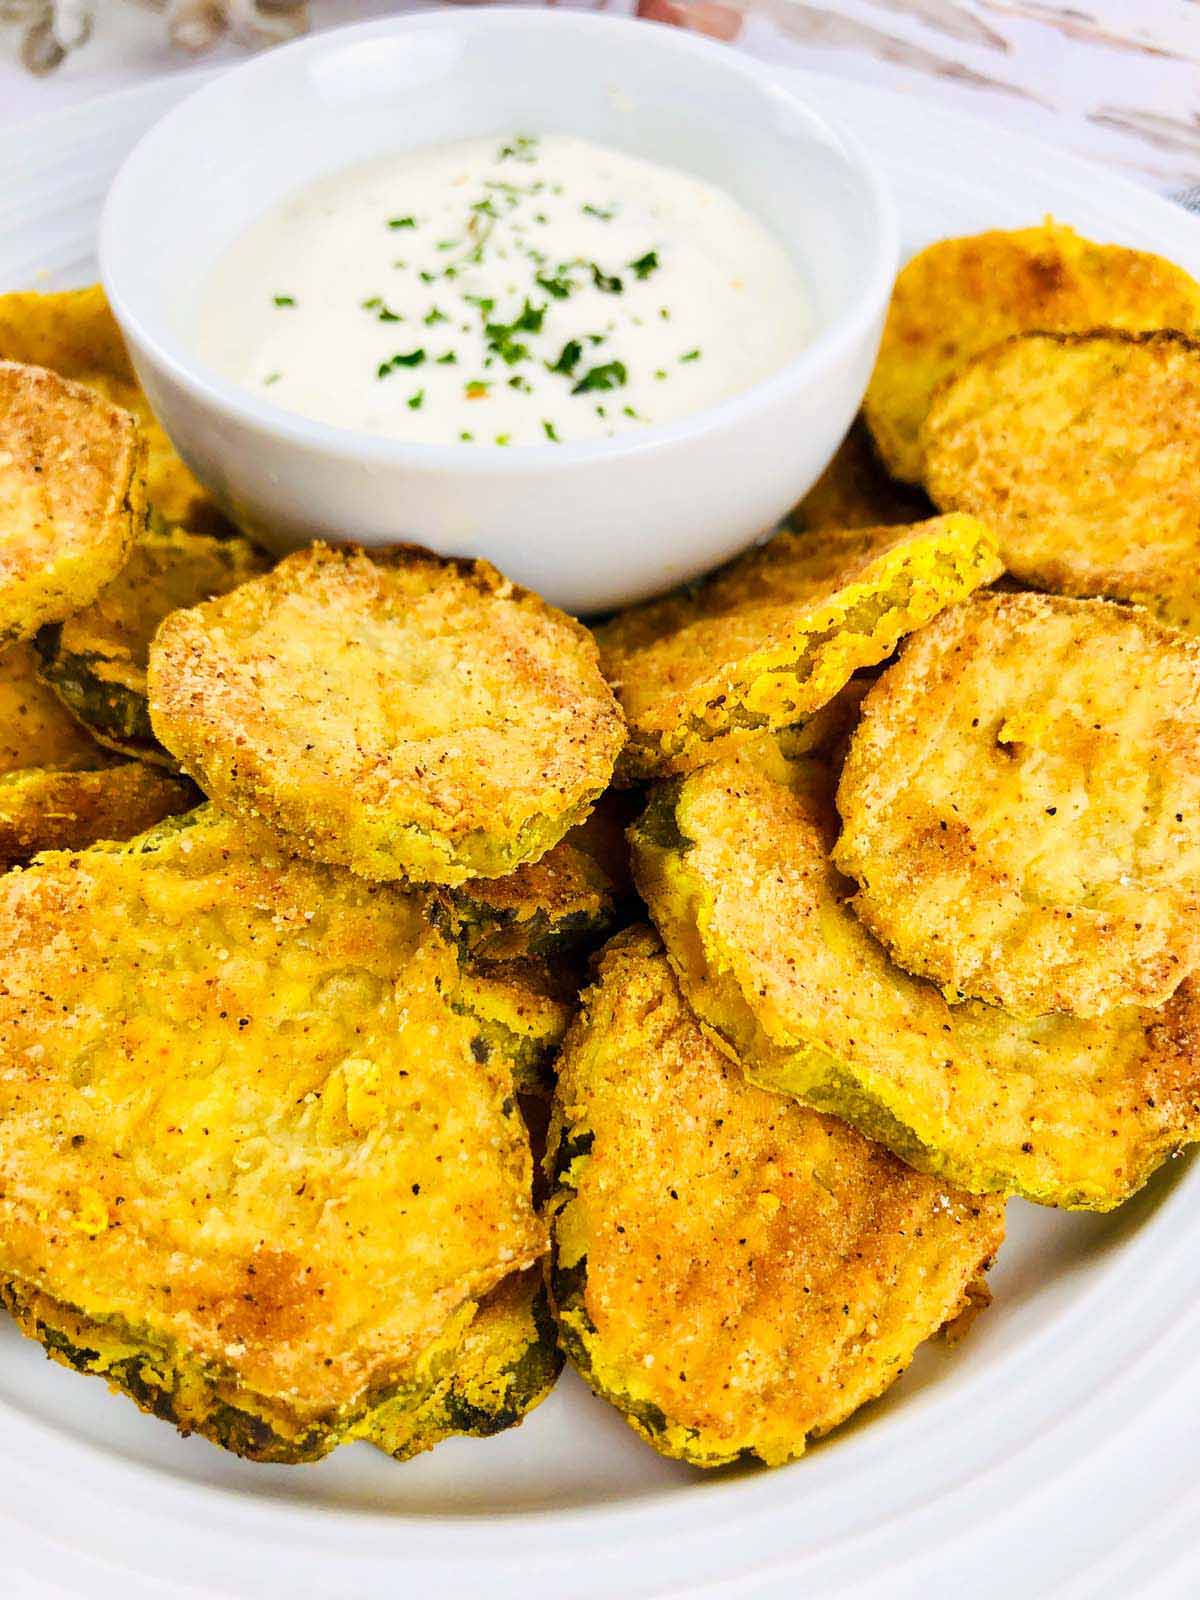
52 28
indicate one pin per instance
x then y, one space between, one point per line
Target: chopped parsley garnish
484 208
501 336
522 148
645 265
272 377
416 401
284 300
414 358
660 374
383 312
665 313
568 358
402 222
605 282
434 316
550 431
477 389
519 383
467 438
448 244
601 213
427 277
611 375
448 360
690 355
504 438
484 306
559 286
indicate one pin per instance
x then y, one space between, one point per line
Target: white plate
1055 1452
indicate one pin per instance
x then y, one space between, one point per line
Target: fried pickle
567 898
73 332
959 296
771 638
243 1134
1021 805
735 1273
506 1364
855 491
522 1009
1082 452
394 712
96 659
735 866
59 789
72 496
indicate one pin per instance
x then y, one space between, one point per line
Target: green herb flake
690 355
611 375
477 389
448 360
272 377
645 265
520 148
568 359
402 222
414 358
520 384
601 213
504 438
283 300
660 374
550 431
467 438
434 316
558 287
416 401
606 282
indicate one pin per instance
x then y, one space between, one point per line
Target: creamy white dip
503 291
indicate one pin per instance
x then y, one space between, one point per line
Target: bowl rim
216 392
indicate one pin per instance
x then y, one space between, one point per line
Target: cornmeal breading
1082 452
771 639
72 496
960 296
735 865
735 1273
394 712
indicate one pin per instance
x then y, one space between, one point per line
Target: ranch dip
506 291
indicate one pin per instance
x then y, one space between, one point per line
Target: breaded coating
735 1273
96 659
505 1366
392 711
72 496
1021 805
771 638
736 869
521 1009
243 1130
855 491
74 333
59 790
571 895
1082 452
960 296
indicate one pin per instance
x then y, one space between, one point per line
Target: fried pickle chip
74 334
72 496
735 1273
507 1363
855 491
522 1009
735 866
59 789
1021 805
96 659
567 898
243 1131
959 296
394 712
772 637
1082 451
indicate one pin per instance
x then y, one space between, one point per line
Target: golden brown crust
736 869
96 659
241 1124
737 1274
1021 805
405 715
42 808
36 729
1082 452
855 491
771 638
74 334
959 296
72 496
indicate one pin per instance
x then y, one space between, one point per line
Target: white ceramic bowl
590 525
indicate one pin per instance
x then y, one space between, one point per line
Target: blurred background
1118 80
